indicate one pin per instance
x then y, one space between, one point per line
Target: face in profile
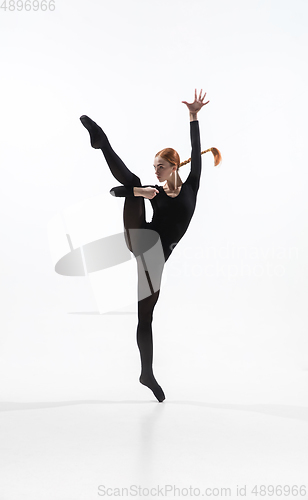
163 169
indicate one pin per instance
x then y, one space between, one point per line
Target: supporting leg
145 338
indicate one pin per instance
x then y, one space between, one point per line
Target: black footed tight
145 344
134 218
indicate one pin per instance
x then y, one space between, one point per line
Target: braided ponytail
172 156
216 154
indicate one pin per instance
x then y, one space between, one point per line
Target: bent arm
126 191
120 191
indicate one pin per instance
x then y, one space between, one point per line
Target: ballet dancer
173 207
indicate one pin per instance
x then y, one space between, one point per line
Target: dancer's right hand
149 192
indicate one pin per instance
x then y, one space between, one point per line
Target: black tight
134 218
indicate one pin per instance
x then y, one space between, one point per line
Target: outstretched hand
198 103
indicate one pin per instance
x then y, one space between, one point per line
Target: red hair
170 155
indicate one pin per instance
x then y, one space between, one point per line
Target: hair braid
172 156
216 154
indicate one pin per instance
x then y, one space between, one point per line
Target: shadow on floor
286 411
103 314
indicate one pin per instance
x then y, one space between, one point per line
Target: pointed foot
150 382
97 135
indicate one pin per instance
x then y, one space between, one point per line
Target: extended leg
99 140
134 210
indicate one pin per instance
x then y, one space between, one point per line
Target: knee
136 181
145 320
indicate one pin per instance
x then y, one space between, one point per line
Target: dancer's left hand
198 103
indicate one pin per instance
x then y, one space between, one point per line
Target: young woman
173 207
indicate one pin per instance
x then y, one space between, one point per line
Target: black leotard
171 216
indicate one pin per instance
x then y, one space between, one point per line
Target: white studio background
230 324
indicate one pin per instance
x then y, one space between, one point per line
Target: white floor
71 430
65 450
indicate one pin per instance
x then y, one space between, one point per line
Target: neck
174 182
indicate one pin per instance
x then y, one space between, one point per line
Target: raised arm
195 168
194 108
